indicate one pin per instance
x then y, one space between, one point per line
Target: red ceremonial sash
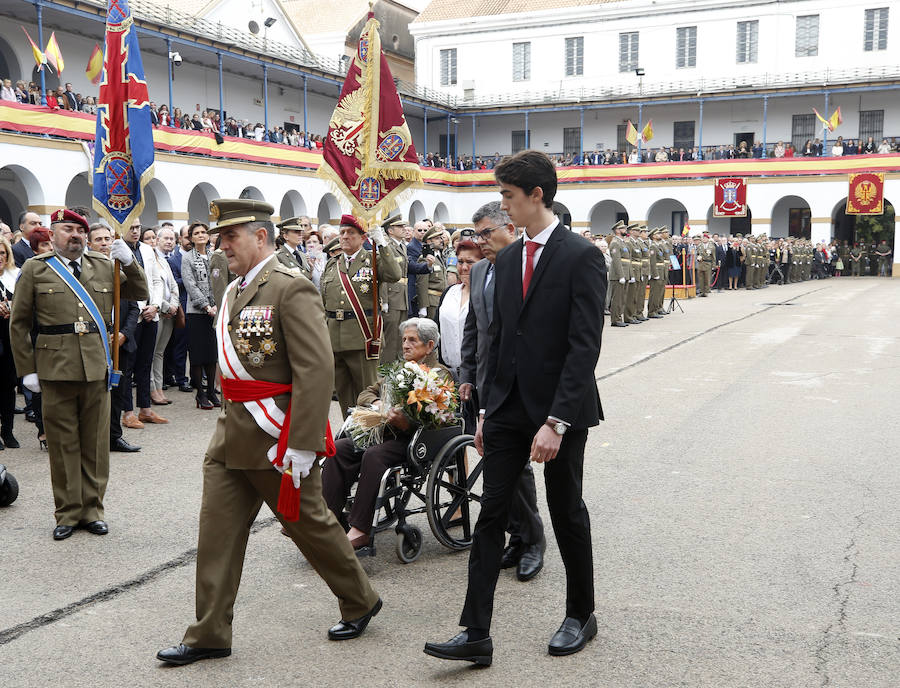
372 345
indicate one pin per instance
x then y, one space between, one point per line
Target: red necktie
530 248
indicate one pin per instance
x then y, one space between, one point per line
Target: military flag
54 56
94 69
730 197
866 194
832 122
631 134
39 58
368 152
647 133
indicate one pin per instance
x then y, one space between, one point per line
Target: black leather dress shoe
511 556
120 445
182 654
96 527
459 647
30 417
18 410
531 562
62 532
642 318
185 388
655 316
620 324
345 630
572 636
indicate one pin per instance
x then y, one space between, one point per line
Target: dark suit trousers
349 465
121 393
507 441
145 338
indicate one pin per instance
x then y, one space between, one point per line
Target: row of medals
255 322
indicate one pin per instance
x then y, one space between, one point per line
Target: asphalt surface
743 496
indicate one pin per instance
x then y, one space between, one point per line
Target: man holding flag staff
68 295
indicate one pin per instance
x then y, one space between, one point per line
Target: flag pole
376 310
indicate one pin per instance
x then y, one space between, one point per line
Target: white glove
384 308
423 312
657 277
300 461
376 236
632 280
119 251
621 280
31 382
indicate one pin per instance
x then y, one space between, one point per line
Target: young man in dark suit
541 399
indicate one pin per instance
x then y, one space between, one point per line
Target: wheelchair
438 477
9 488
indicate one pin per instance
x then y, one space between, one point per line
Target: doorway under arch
605 214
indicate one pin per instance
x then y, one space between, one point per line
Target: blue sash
82 295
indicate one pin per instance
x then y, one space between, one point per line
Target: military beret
331 246
227 212
350 221
432 233
394 221
66 215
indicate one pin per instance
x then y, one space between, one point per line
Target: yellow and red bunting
866 194
647 133
631 134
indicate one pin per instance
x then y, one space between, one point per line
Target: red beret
66 215
350 221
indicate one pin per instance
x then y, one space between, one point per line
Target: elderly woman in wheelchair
419 339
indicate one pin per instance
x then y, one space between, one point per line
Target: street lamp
639 72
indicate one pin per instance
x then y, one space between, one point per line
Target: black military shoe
182 654
572 636
62 532
345 630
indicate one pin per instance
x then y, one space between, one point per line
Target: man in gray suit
494 231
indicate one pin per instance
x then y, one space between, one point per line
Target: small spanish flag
54 56
832 122
94 69
647 134
631 134
686 229
39 58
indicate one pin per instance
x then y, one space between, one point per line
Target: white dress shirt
542 238
452 317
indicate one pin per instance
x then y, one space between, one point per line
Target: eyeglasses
485 233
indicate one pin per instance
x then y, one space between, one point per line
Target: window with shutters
876 28
521 61
871 123
685 47
519 140
803 129
807 43
683 135
628 51
575 56
747 41
572 141
448 67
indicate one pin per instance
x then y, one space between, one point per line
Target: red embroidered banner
730 197
866 194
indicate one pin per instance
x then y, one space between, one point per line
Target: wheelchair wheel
453 493
9 490
409 544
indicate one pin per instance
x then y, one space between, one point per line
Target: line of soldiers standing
860 260
639 258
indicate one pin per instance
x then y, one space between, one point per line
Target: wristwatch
557 426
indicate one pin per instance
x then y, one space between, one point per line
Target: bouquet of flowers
427 396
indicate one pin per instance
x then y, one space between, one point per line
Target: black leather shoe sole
180 655
62 532
477 655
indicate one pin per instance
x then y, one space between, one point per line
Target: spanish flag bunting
647 134
54 56
832 122
39 58
94 69
631 134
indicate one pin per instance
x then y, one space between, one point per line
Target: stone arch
329 210
790 217
864 228
669 213
605 214
416 212
79 192
198 201
563 213
156 202
9 64
292 205
19 189
441 214
253 193
723 226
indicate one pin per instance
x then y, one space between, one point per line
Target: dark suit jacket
21 252
476 334
174 260
129 314
547 344
413 253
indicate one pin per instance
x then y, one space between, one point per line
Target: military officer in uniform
431 285
66 295
619 274
270 331
219 274
645 271
632 314
394 298
856 255
289 254
884 255
658 274
706 256
354 342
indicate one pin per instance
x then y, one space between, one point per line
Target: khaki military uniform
619 268
237 474
658 274
394 299
219 275
73 374
632 292
431 285
645 276
706 257
289 259
353 372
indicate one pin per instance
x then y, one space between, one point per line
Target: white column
820 230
